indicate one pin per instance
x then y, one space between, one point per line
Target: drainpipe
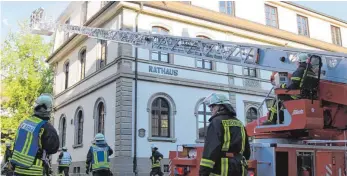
136 78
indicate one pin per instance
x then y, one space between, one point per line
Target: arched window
160 118
66 71
204 115
202 63
161 110
252 114
99 116
82 57
62 131
79 117
158 55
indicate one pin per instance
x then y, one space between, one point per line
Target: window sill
150 139
77 146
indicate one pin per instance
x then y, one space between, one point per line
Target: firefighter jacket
97 157
64 159
225 135
33 136
156 158
297 77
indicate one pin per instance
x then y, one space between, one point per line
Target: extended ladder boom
248 55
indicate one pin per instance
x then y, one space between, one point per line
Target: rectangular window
103 3
103 57
186 2
249 72
84 12
66 34
205 64
302 25
336 35
66 75
83 63
227 7
158 55
271 16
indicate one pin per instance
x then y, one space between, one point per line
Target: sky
13 11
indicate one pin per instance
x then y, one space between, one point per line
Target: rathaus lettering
161 70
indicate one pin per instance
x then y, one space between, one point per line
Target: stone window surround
172 117
96 113
76 124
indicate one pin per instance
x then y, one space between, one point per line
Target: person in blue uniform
64 161
98 157
34 137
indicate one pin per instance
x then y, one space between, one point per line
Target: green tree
25 75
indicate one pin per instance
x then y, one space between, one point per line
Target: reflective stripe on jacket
66 159
100 158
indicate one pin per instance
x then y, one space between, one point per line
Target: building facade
98 88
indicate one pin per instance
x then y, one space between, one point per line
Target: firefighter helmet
8 144
216 99
44 104
99 137
153 146
303 57
64 148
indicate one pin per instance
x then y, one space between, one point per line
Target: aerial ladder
311 140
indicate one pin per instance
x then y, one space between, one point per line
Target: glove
283 86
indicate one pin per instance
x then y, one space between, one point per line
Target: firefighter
297 82
64 161
226 147
5 167
34 137
98 157
8 152
155 160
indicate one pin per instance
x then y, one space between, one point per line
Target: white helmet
43 104
64 148
8 144
153 146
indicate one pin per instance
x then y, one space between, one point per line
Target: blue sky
13 11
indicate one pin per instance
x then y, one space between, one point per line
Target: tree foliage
25 75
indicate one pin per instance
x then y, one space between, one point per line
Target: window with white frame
66 34
302 25
66 71
79 126
158 55
271 16
227 7
252 72
82 58
336 35
204 63
84 12
160 111
62 131
101 118
103 53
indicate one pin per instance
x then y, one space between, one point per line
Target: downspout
136 78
